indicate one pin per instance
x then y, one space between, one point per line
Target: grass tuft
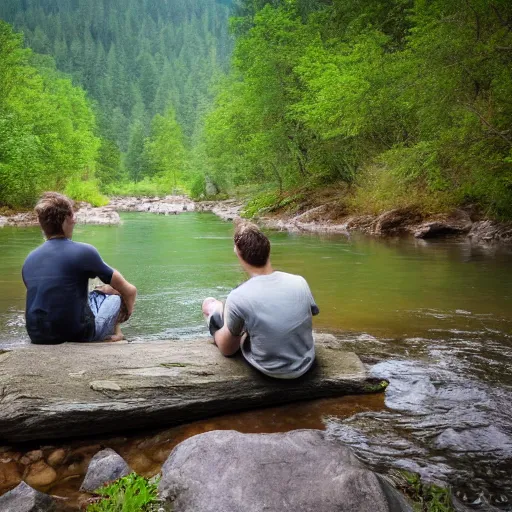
426 497
132 493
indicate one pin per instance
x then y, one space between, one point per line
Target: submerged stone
25 499
105 467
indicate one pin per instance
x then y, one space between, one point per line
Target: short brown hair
253 246
52 210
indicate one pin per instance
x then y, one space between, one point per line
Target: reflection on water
435 317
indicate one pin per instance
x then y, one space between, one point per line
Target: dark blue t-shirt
56 275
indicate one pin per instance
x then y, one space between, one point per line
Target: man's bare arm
127 291
227 343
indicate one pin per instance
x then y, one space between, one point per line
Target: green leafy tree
165 149
47 127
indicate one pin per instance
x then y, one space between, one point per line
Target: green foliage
131 493
133 57
378 189
269 201
47 127
164 148
376 386
109 163
197 187
136 161
145 188
409 101
87 191
259 203
426 497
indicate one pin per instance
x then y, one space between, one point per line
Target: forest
142 70
393 103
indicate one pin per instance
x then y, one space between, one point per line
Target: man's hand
106 289
127 291
227 343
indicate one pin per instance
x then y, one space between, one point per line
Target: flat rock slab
81 389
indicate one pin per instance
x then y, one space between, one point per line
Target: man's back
56 276
276 311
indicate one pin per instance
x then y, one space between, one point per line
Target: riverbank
316 215
330 217
108 215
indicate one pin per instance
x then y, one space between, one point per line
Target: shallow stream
435 318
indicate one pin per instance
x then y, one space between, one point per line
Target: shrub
85 191
265 200
146 187
378 190
197 187
426 497
131 493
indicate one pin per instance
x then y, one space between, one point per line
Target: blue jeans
105 309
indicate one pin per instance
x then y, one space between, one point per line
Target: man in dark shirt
56 274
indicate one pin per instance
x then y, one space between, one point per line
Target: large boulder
105 215
296 471
25 499
228 210
395 221
457 222
211 188
105 467
82 389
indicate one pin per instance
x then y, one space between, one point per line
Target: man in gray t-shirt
269 316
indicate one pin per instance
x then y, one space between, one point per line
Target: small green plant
132 493
426 497
376 386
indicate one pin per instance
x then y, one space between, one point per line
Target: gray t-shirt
276 311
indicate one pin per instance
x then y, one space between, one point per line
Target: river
435 318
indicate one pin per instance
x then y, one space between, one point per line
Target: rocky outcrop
105 467
400 221
25 499
395 222
80 389
298 470
19 220
490 232
168 205
108 215
228 210
105 215
457 222
85 214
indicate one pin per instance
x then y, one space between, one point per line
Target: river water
435 318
